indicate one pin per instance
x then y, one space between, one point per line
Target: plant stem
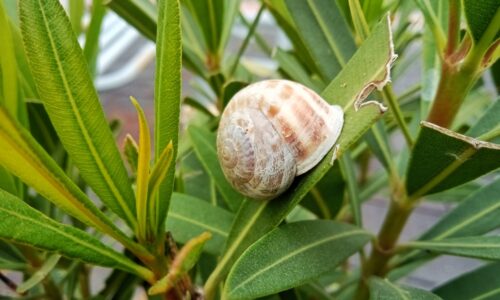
453 26
397 216
243 47
390 98
453 87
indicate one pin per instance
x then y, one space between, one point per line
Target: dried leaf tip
378 83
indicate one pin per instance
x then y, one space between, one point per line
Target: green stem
376 265
453 87
391 99
243 47
457 77
453 26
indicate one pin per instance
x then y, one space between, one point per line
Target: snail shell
272 131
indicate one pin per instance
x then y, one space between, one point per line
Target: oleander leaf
256 218
480 15
481 283
189 216
24 157
205 148
65 86
484 247
476 215
184 261
381 289
141 14
325 33
8 65
487 127
39 274
25 225
442 159
167 98
301 250
142 181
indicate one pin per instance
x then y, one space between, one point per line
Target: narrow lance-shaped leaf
189 217
442 159
479 15
485 247
301 250
204 146
184 261
381 289
131 152
487 127
23 157
157 176
476 215
167 96
40 274
325 33
23 224
8 67
141 14
482 283
143 159
255 218
65 86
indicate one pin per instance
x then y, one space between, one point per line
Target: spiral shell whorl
244 142
272 131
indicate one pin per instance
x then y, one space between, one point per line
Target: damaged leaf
443 159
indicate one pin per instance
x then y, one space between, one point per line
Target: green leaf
256 218
189 217
160 170
325 33
65 85
204 146
230 89
284 19
442 159
184 261
40 274
381 289
91 47
487 124
476 215
301 250
25 225
485 247
141 189
131 152
348 169
8 66
479 15
294 69
326 198
167 97
23 157
141 14
482 283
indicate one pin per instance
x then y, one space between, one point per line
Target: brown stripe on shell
291 137
286 92
317 99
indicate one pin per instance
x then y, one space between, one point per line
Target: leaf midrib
300 250
57 185
324 29
200 224
127 264
81 127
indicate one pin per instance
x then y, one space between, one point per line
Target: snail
272 131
